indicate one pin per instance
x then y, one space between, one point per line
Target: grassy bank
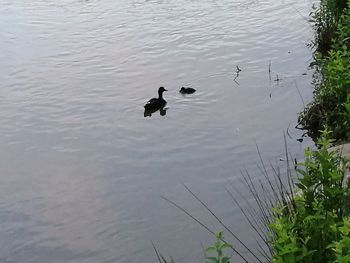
330 107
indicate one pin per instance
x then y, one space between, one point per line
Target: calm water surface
82 170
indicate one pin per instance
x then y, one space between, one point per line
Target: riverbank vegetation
330 107
315 226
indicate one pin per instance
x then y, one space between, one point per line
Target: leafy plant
317 229
218 250
342 247
329 107
324 20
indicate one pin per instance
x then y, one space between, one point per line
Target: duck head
160 91
183 90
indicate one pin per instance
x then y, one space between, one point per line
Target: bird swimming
184 90
156 103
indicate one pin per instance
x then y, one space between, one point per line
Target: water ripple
81 168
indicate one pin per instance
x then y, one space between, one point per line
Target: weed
330 106
218 250
324 20
314 230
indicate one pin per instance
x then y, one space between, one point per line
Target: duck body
156 103
184 90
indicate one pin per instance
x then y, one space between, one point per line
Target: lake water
82 170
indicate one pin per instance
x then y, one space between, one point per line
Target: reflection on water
81 170
162 111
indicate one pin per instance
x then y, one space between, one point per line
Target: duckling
156 103
184 90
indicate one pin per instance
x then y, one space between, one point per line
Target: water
82 170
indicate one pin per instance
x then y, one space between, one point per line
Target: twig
220 221
155 250
301 97
277 78
204 226
288 131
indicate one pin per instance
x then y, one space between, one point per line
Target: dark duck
185 90
156 103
